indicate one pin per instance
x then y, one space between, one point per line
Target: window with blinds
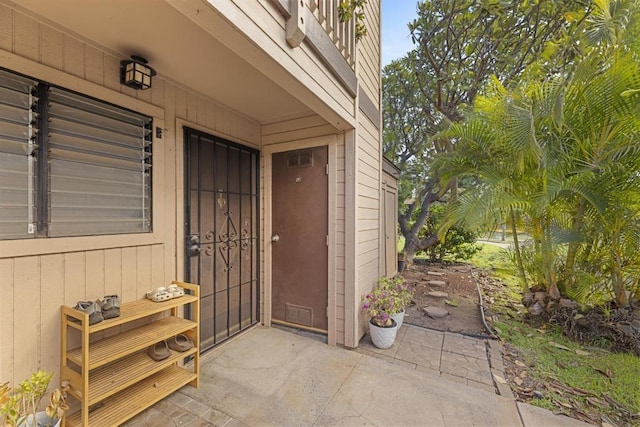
17 163
96 175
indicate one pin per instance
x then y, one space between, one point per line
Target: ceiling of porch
176 48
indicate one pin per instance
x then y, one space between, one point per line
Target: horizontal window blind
17 163
99 167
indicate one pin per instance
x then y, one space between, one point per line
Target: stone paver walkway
271 377
458 358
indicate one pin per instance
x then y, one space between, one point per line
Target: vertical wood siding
34 287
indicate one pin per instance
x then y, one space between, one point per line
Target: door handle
275 238
194 250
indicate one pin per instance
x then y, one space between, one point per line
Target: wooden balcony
332 40
342 34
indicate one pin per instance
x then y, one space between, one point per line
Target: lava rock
527 299
567 303
536 309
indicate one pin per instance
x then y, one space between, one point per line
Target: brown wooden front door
221 228
299 240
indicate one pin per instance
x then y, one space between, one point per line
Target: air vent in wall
300 159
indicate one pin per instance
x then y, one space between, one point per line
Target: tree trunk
412 243
572 251
519 264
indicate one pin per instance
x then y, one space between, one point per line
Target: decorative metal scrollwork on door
228 236
227 240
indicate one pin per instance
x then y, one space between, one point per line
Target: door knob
275 238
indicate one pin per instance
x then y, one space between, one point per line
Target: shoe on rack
159 294
159 351
92 309
110 306
180 342
175 290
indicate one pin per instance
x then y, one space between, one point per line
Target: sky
396 14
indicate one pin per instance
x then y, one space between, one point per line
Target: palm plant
560 158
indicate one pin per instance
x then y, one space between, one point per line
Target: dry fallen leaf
560 346
582 352
499 379
518 381
606 373
521 364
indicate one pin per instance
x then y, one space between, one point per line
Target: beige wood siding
369 53
368 229
368 169
35 287
264 26
38 276
296 129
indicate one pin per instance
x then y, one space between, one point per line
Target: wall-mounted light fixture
136 73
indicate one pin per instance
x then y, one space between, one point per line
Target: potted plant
402 261
402 293
380 305
19 406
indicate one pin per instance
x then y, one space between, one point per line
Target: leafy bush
458 243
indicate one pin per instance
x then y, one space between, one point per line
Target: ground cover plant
544 367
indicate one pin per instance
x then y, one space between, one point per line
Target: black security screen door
221 229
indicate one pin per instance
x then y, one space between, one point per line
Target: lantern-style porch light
136 73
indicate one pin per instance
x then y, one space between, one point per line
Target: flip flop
175 290
159 294
180 342
159 351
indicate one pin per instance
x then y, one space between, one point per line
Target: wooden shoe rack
110 372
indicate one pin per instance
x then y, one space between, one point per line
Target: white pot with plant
19 406
380 304
402 293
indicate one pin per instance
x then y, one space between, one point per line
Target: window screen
85 171
99 167
17 163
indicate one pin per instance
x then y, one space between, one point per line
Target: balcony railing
342 34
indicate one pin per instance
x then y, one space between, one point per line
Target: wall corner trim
368 107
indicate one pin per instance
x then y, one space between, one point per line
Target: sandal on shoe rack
163 294
159 351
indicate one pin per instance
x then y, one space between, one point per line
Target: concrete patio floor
273 377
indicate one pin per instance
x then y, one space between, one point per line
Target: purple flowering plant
401 289
389 297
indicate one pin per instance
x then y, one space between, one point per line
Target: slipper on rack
159 294
159 351
175 290
92 309
110 306
180 342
